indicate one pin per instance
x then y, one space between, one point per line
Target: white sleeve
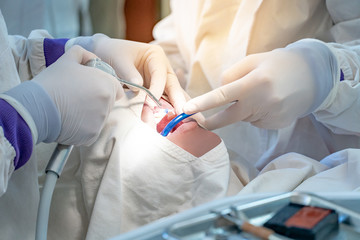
7 154
340 111
28 53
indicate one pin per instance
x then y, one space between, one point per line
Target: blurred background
126 19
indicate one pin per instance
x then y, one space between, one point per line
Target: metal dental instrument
258 231
173 123
98 63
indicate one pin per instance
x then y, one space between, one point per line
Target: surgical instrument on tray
258 231
98 63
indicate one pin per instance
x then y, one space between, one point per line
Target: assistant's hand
141 63
83 95
272 89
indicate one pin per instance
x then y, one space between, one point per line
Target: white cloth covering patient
133 175
149 177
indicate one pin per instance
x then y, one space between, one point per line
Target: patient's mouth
185 125
187 134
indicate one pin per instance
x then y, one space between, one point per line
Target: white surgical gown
203 38
20 60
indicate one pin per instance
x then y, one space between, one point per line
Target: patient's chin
194 139
188 135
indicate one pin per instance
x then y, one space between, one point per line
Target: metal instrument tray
213 226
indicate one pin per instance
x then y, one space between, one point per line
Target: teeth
159 113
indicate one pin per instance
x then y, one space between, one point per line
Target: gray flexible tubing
44 206
53 171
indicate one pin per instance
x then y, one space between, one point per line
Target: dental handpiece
99 64
174 122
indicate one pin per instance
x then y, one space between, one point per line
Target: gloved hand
272 89
140 63
83 95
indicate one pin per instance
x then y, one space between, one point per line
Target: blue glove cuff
323 65
41 108
53 49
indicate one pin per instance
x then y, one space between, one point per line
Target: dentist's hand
83 95
141 63
272 89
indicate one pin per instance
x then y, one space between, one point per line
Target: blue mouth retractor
173 123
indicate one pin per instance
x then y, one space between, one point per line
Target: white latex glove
83 95
140 63
272 89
